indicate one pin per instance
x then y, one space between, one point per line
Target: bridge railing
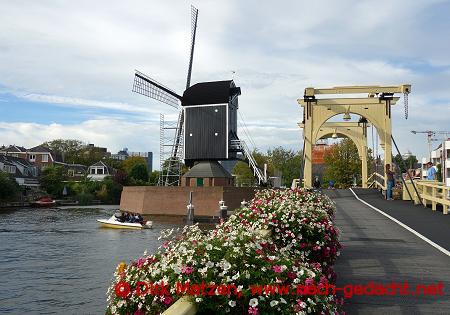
376 180
434 193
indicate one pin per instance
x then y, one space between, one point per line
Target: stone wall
173 200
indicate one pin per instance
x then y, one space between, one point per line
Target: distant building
39 156
124 154
441 156
319 151
99 170
73 171
24 172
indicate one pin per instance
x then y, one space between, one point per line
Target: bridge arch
376 108
355 132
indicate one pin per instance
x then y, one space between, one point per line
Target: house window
45 158
32 157
92 170
100 171
9 169
71 173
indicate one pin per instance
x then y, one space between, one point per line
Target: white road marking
440 248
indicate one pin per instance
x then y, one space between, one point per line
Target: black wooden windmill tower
206 129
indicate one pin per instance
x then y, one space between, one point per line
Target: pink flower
140 262
187 270
309 282
277 269
166 244
253 310
139 312
167 300
291 275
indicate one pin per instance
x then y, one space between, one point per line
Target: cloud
80 102
83 55
111 133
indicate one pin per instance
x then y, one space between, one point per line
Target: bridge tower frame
376 108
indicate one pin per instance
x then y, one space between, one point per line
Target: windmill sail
194 17
149 87
178 143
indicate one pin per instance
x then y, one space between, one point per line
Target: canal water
59 261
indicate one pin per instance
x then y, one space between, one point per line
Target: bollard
190 211
223 209
190 214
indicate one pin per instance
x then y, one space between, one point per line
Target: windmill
145 85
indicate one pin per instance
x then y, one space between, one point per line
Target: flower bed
300 253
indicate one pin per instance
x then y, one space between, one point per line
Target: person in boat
133 218
120 217
138 218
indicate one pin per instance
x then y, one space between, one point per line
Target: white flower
209 264
273 303
198 300
176 269
209 247
283 301
226 265
253 302
232 303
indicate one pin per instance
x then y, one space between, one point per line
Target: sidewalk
379 250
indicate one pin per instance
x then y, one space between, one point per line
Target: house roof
40 148
14 148
15 161
216 92
207 169
99 163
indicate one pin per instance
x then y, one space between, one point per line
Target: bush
84 198
9 189
301 252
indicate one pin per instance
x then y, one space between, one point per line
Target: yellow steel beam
404 88
349 101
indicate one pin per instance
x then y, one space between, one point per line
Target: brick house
207 173
24 172
40 156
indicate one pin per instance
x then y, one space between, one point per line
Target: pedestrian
431 173
316 183
390 182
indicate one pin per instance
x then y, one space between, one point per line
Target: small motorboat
44 202
114 223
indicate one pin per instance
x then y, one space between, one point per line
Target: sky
66 67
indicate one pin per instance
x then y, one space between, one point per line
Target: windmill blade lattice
149 87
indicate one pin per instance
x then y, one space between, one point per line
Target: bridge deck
379 250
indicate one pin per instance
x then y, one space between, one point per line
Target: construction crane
430 134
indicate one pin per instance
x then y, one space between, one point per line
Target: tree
288 162
51 180
404 164
131 162
244 175
343 164
139 172
9 188
154 177
74 151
